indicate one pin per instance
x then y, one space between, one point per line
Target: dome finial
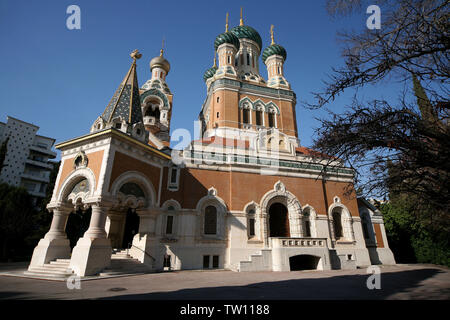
241 22
162 48
271 35
226 23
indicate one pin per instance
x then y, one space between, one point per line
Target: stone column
114 228
55 244
145 242
92 253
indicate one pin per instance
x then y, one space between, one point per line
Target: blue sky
61 80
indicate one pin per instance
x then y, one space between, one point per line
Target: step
49 271
59 263
46 275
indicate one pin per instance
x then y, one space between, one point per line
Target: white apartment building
27 160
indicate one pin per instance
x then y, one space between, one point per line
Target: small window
229 59
251 227
169 224
138 132
215 262
205 262
173 175
118 125
307 229
246 116
248 59
242 59
258 117
271 120
235 62
217 115
349 257
218 99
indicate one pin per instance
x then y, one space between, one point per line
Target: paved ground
397 282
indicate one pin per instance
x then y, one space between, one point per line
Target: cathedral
244 196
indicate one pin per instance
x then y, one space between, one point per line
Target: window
248 59
242 59
337 225
235 62
169 224
215 262
271 120
307 228
246 115
205 262
173 175
258 117
118 125
210 220
218 99
217 115
229 59
253 62
251 227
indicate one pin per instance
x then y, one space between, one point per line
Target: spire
226 24
125 102
271 35
241 22
162 48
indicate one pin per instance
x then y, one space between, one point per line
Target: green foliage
16 220
413 235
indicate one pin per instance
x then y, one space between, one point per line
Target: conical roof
125 102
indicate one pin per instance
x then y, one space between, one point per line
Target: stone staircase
57 269
258 262
123 263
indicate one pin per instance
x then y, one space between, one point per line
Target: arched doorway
131 227
77 225
278 220
303 262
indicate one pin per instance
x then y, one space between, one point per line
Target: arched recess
71 181
169 218
309 215
337 209
253 214
279 194
142 181
211 199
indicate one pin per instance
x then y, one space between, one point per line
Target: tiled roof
311 152
125 102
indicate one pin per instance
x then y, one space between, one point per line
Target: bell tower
156 101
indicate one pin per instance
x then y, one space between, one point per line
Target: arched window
251 222
246 116
337 224
271 120
229 59
307 224
248 59
210 223
259 118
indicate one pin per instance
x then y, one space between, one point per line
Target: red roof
311 152
220 141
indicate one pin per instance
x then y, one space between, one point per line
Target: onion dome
226 37
274 49
247 32
160 62
211 71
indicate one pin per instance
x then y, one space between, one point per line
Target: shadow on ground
337 288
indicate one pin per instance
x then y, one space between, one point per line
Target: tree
3 151
16 215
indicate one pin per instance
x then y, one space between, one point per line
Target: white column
97 224
59 222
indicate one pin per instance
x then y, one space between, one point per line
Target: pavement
399 282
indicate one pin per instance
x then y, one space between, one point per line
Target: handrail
140 250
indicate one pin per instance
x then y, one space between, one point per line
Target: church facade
246 196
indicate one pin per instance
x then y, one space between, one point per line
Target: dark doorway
303 262
77 225
131 228
278 221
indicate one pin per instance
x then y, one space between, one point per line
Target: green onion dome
274 49
226 37
248 33
209 73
